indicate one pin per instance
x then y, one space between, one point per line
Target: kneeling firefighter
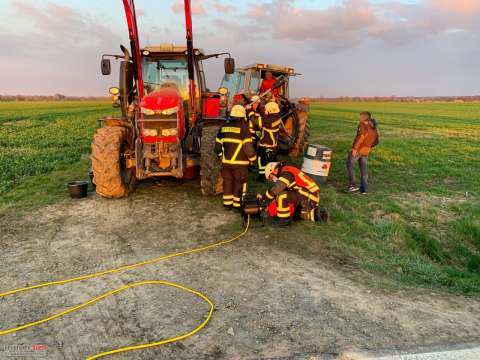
294 194
268 142
235 148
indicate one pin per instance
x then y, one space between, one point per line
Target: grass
43 145
419 226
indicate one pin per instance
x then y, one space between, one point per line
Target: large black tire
111 177
303 132
210 167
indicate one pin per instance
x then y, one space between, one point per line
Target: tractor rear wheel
210 167
110 174
303 132
294 138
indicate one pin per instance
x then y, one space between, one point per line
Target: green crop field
421 221
419 225
43 145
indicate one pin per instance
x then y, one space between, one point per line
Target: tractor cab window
255 81
158 73
235 83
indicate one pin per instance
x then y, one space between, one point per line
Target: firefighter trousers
305 204
264 156
235 179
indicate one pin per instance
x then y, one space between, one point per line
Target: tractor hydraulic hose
198 294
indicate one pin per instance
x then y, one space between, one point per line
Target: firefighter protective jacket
254 124
291 178
270 127
234 144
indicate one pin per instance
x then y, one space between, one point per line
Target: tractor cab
246 82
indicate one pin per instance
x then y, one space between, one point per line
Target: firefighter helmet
254 98
238 111
272 108
270 167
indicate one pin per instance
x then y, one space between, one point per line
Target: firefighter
268 143
293 195
235 148
255 119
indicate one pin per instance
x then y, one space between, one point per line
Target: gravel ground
269 302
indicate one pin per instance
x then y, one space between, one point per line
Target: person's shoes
364 192
352 189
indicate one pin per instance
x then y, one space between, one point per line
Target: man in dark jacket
235 148
365 140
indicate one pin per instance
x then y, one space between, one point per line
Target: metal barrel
316 163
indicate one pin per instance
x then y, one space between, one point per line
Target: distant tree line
56 97
420 99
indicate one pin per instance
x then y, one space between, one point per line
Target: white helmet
269 168
272 108
238 111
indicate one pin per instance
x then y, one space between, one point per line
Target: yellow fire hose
123 288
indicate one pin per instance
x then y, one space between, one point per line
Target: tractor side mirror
229 65
106 67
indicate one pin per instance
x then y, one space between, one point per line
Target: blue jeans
363 164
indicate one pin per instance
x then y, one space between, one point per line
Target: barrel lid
316 151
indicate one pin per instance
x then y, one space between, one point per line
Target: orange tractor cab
245 82
169 119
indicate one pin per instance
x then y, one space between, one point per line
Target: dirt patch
270 302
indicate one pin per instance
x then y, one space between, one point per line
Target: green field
43 145
420 224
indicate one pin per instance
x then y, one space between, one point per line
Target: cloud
197 7
368 47
223 8
58 49
57 27
351 22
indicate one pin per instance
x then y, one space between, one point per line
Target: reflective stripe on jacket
270 130
234 144
291 178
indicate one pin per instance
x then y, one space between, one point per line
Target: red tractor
169 119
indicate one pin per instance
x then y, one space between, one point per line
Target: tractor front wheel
110 174
210 167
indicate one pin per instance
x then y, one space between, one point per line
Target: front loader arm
134 44
190 62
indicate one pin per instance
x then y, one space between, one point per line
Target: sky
341 47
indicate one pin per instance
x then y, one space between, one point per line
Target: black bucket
77 189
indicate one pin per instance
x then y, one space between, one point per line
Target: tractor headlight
150 132
147 111
169 132
170 111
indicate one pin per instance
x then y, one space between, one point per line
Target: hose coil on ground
126 287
